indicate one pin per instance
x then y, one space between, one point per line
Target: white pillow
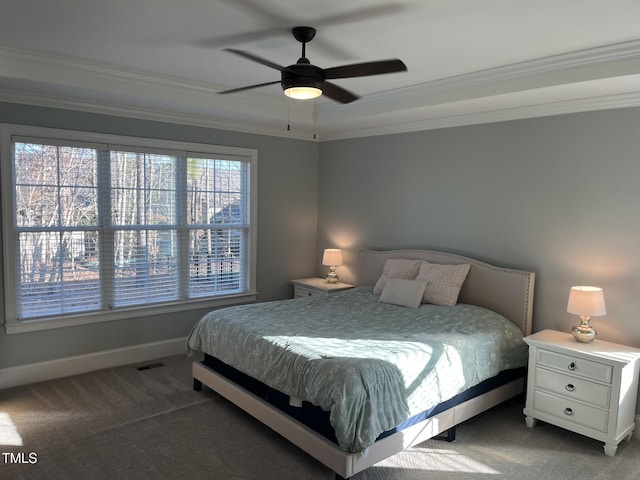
406 293
444 282
397 268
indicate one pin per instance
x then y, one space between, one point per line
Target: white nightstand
588 388
305 287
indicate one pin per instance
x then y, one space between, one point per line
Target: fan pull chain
314 117
288 114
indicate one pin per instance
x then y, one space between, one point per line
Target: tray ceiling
468 61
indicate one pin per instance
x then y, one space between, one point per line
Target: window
102 226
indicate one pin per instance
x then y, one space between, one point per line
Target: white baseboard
64 367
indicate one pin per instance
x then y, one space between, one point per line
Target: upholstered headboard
504 290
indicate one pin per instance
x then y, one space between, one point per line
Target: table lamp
587 302
332 257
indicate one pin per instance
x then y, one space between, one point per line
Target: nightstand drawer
569 411
575 365
573 388
305 292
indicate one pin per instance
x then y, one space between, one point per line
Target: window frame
178 148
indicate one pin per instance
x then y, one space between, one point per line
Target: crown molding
91 87
157 115
605 102
600 62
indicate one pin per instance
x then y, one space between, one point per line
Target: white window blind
102 226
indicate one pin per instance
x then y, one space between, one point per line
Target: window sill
127 313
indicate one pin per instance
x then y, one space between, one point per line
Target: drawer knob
568 411
570 388
572 366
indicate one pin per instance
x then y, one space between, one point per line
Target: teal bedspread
371 365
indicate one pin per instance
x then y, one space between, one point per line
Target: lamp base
332 277
583 333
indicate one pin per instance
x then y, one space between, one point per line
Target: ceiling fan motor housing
302 75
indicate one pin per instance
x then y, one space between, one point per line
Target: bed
357 376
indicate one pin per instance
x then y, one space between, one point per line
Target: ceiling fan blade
255 58
274 22
360 14
249 87
365 69
242 37
337 93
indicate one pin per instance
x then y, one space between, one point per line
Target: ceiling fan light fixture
302 81
303 93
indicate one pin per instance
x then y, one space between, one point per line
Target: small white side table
588 388
305 287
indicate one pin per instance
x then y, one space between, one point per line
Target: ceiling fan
302 80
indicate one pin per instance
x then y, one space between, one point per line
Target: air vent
149 366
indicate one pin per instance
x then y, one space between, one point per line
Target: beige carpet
125 423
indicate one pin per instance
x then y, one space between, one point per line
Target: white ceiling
468 61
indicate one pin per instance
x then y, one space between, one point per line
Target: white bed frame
504 290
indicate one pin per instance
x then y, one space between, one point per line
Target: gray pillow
397 268
406 293
444 282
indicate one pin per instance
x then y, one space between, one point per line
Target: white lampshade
586 301
332 257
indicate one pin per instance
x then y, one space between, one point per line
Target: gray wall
287 222
556 195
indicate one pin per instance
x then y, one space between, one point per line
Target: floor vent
149 366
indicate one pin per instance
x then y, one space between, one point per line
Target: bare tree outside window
57 213
100 229
215 192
